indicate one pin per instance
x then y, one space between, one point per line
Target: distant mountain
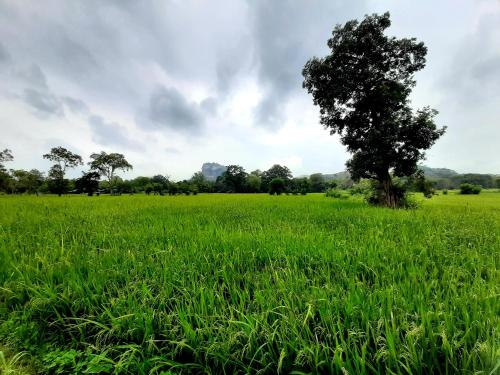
428 171
437 172
212 170
344 175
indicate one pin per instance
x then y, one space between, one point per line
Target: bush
445 192
276 186
470 189
361 188
335 193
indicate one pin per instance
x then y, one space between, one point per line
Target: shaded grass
251 283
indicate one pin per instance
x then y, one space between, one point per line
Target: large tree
362 88
234 178
276 171
63 159
88 183
107 164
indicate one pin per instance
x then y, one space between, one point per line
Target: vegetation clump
276 186
467 188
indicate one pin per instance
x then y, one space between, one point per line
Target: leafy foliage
234 178
470 189
362 89
276 171
107 164
63 159
276 186
88 183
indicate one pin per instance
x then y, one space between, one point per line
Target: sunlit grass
249 283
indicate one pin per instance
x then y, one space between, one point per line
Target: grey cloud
111 134
44 103
286 35
169 108
209 105
34 76
4 54
474 74
76 59
76 106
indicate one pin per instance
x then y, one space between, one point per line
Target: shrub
467 188
361 188
445 192
335 193
276 186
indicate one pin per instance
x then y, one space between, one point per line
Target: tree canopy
5 155
362 88
107 164
235 178
64 158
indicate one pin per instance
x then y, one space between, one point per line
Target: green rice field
244 284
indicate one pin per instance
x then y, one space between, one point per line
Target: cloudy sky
173 84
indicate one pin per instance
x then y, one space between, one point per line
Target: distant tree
160 179
253 183
88 183
160 184
301 185
27 181
107 164
234 178
140 183
276 171
148 189
362 89
276 186
173 188
126 186
200 182
317 183
484 180
63 159
57 184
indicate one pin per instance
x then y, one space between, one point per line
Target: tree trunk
389 195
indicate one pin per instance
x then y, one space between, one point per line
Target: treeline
101 165
101 177
486 181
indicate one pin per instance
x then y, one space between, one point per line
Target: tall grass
251 284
